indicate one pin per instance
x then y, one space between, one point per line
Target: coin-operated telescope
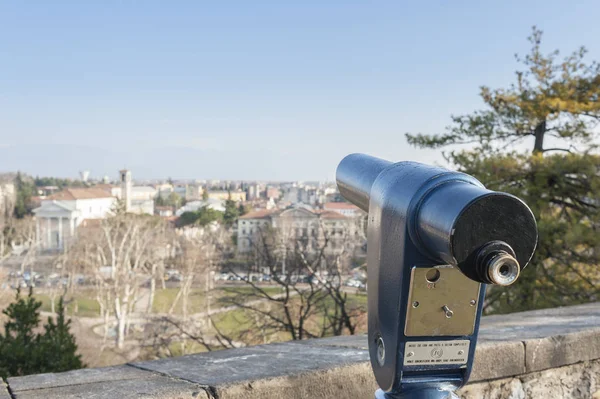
435 238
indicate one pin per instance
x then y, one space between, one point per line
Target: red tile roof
258 214
70 194
339 205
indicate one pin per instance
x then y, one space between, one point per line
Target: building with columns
60 214
304 224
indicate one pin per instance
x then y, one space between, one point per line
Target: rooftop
339 205
71 194
258 214
331 215
265 213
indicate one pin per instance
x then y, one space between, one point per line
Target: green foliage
57 181
554 101
173 199
205 193
119 207
23 351
25 189
160 201
231 212
202 217
58 344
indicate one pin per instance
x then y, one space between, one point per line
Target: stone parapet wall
540 354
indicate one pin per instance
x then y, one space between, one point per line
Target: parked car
354 283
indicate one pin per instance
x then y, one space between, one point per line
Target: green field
82 304
163 300
240 321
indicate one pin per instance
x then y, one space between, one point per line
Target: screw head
415 304
472 302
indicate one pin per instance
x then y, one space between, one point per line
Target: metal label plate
426 315
431 353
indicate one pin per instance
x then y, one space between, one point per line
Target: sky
253 90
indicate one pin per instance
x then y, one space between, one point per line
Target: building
344 208
60 214
193 192
292 195
273 192
237 196
300 223
136 199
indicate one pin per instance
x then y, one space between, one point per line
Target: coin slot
432 276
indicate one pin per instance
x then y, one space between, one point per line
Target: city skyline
244 91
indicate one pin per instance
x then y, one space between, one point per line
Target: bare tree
198 251
307 265
121 253
165 331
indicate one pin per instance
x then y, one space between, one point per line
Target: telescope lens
502 268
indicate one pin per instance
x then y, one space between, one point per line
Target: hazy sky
252 89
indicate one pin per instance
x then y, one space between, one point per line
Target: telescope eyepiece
502 268
497 264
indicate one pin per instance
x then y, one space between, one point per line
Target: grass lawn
163 299
235 322
87 306
225 293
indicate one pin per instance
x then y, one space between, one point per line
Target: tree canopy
537 139
23 351
24 190
202 217
232 212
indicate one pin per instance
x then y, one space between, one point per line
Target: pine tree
24 191
555 106
20 349
59 344
231 212
23 351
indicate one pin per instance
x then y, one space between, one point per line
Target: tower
126 189
84 174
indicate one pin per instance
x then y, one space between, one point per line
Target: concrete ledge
109 382
558 350
497 360
580 381
4 390
517 355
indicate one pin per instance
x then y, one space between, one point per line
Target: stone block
154 387
495 360
76 377
255 363
352 382
507 388
540 323
4 390
576 381
560 350
347 341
